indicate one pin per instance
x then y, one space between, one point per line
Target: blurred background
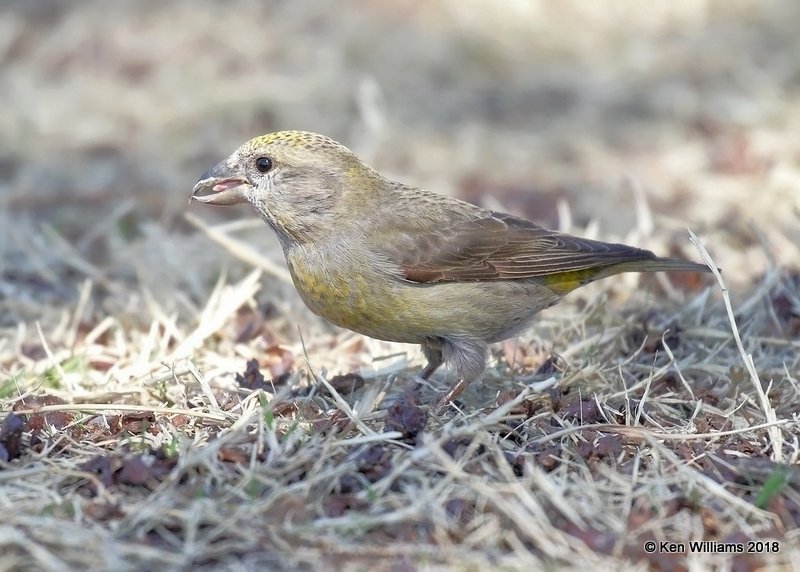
623 120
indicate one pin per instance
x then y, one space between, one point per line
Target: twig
775 436
239 249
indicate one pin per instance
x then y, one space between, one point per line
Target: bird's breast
351 296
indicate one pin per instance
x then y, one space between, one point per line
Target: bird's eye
263 164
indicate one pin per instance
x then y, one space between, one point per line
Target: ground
167 402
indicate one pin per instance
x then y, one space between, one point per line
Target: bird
399 263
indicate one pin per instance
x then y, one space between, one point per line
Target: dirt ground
167 402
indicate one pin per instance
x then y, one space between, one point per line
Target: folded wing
497 246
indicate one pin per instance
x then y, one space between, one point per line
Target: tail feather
563 282
656 264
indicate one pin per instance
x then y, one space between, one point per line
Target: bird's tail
656 264
567 281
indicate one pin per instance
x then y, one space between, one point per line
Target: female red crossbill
400 263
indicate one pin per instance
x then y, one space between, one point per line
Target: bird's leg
433 353
453 393
468 358
432 348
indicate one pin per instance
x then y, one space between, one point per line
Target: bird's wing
497 246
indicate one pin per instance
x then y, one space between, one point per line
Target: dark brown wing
498 246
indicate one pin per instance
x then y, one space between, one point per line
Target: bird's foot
452 394
413 390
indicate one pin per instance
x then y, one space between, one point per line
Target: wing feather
497 246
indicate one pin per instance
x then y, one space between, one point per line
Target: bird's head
301 183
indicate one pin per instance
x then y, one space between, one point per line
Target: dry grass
651 425
169 404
